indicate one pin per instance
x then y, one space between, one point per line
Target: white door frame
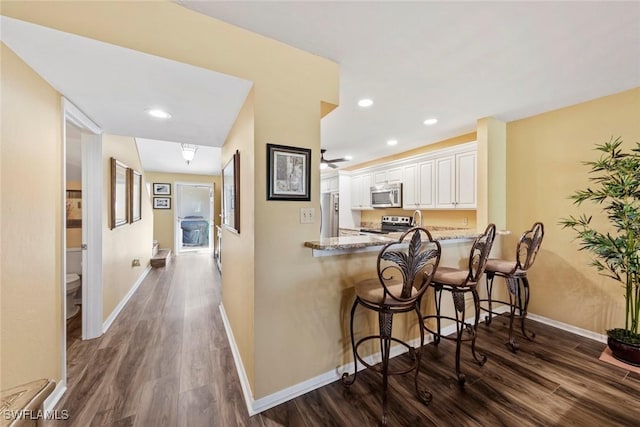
92 193
176 219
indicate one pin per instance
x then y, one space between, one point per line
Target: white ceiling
456 61
160 157
115 86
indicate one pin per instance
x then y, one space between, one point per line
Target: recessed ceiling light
366 102
392 142
430 122
348 157
158 113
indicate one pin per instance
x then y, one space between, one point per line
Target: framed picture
231 193
161 203
119 194
161 189
288 173
74 208
135 196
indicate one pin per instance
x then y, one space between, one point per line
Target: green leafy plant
615 179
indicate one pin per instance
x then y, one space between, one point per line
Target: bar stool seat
460 282
370 290
514 273
450 276
405 269
504 267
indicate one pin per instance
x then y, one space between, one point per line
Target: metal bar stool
459 283
405 269
515 275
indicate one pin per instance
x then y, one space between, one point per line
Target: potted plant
616 187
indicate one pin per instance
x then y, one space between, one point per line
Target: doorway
193 217
81 223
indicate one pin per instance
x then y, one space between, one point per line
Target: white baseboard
107 323
55 396
569 328
256 406
242 374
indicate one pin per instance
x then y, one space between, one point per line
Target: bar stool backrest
528 246
413 259
480 253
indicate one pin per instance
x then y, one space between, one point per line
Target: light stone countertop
346 244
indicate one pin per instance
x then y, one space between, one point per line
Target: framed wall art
231 193
288 173
74 208
161 189
161 203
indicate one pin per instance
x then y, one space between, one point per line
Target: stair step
161 258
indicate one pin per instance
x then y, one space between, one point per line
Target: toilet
74 283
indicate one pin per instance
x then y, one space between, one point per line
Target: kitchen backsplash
444 218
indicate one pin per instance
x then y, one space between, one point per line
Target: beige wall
163 226
122 245
238 250
492 173
544 155
74 235
31 225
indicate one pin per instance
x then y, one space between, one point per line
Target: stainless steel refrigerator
330 210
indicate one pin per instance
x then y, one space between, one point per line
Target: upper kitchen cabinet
361 191
439 179
387 176
418 190
329 184
455 176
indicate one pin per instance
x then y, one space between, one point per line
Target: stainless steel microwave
386 196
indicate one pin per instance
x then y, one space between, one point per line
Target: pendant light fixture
188 152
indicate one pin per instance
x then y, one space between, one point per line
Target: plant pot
623 351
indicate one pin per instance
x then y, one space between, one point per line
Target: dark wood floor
166 362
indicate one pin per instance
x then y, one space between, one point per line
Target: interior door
193 214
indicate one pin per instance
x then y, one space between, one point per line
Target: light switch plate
307 215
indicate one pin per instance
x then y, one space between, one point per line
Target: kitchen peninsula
367 243
346 260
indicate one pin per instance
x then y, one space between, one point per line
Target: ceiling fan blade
332 166
335 160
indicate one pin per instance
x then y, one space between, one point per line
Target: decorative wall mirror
119 194
135 197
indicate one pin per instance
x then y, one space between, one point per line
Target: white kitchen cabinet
387 176
410 187
456 181
466 182
329 185
426 185
360 191
418 185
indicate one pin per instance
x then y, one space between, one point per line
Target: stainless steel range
390 224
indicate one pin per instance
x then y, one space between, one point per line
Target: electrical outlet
465 221
307 215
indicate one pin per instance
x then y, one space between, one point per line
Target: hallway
165 360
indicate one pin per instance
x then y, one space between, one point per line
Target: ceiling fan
330 162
